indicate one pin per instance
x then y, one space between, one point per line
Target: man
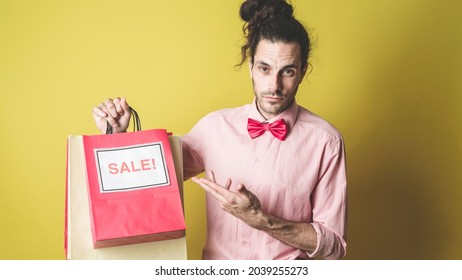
276 181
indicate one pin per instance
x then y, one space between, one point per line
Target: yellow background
386 73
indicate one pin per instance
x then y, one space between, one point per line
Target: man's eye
289 72
264 69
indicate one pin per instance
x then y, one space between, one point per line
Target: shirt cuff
318 238
328 246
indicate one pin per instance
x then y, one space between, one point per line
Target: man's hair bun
272 20
257 11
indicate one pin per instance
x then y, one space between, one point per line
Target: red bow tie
277 128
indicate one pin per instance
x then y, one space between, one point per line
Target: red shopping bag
78 238
132 188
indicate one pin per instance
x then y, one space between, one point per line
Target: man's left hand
243 203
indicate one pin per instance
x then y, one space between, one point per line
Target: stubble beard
271 108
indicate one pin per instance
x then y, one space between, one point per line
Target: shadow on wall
405 156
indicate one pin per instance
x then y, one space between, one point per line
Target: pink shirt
301 179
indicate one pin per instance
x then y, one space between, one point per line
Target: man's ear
303 73
250 69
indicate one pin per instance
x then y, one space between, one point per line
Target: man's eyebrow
293 65
288 66
262 63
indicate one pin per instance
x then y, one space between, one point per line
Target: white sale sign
131 167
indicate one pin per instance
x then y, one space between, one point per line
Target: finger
118 107
216 187
98 113
228 183
249 196
124 104
210 188
243 191
112 122
103 108
211 176
111 109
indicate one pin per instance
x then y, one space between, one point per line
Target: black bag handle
136 122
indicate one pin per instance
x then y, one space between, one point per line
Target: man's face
276 73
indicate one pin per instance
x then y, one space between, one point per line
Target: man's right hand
116 112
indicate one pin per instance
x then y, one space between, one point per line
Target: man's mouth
272 98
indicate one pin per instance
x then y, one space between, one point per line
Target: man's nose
274 83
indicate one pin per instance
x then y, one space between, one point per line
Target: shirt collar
289 115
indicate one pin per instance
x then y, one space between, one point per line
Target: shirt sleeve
193 152
329 204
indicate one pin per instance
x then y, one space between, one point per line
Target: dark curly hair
272 20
